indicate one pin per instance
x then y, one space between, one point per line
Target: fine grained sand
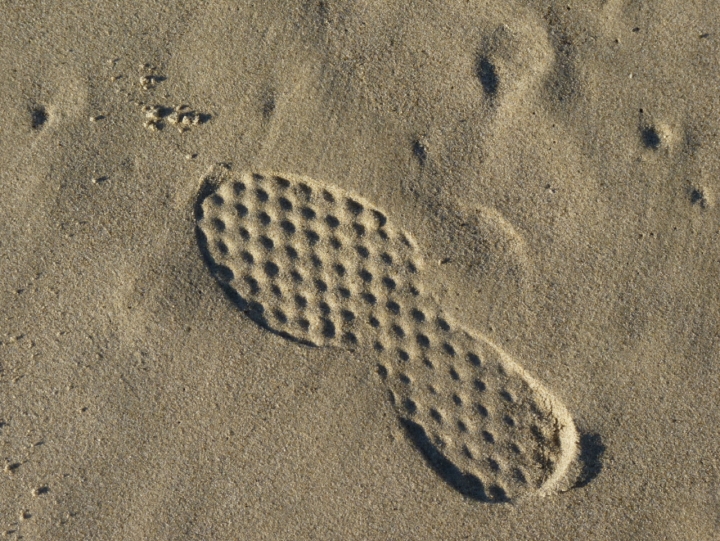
554 162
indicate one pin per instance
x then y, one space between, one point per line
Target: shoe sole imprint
326 268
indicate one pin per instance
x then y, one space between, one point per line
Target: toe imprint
324 267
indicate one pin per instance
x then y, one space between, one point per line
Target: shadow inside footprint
591 452
224 275
466 484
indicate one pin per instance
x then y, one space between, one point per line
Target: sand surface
556 166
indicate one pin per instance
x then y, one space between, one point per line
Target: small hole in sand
359 229
344 292
354 207
305 189
418 148
247 257
282 183
271 269
487 74
320 285
241 209
423 340
261 195
288 227
38 117
264 218
312 237
393 307
650 137
285 204
328 328
307 213
365 275
267 242
410 406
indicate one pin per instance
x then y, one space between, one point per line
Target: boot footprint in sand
323 267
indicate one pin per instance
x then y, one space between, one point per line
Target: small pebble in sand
148 82
152 112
